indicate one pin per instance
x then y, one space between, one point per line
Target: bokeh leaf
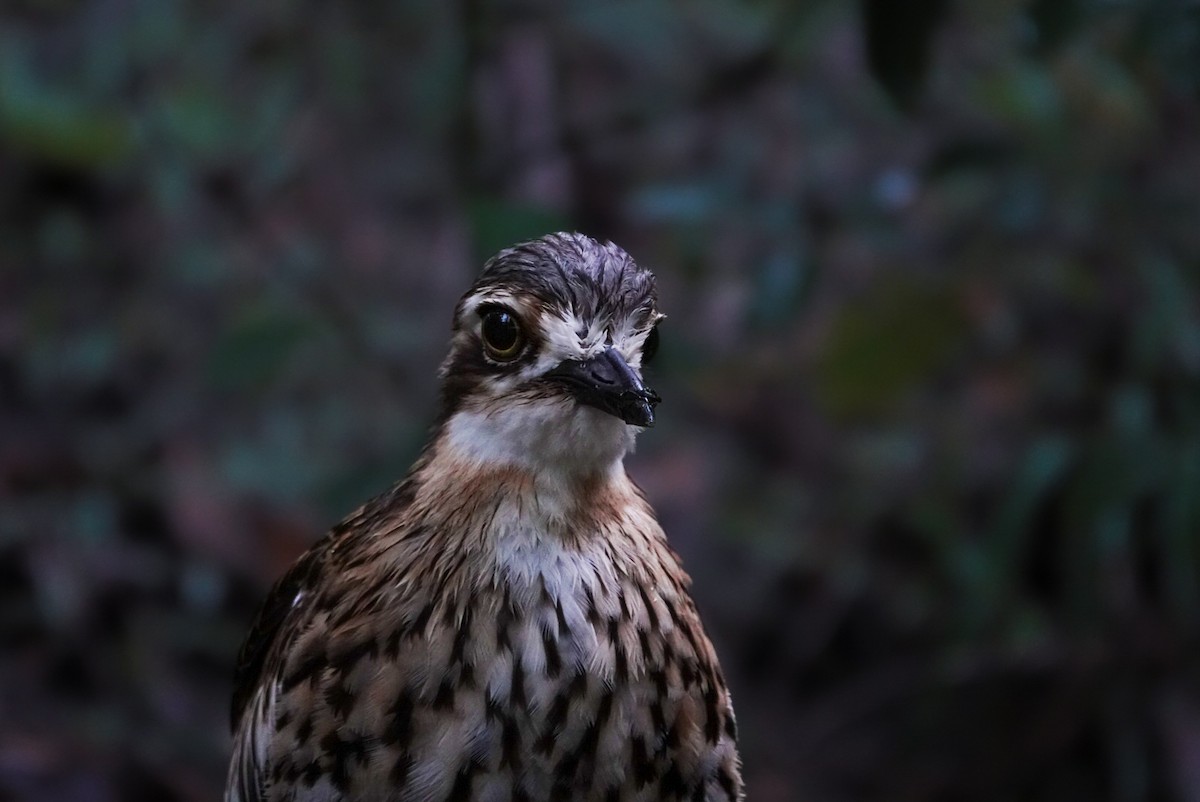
497 224
899 44
885 345
58 126
257 348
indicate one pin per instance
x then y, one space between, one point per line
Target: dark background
931 438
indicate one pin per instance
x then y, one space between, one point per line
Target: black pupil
650 347
500 330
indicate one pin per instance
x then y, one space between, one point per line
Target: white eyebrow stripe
470 322
493 296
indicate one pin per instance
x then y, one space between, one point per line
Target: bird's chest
556 679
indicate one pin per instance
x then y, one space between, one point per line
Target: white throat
551 438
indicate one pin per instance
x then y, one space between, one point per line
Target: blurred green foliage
885 345
931 438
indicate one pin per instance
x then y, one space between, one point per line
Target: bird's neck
529 480
468 520
553 488
557 442
535 533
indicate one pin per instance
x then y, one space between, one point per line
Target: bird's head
545 365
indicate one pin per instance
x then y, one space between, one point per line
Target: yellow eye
501 334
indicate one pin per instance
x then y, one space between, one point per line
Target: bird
507 622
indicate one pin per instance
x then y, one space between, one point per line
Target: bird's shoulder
279 615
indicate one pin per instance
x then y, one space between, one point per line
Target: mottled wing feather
252 691
247 781
286 603
280 603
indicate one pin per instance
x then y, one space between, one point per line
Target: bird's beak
607 383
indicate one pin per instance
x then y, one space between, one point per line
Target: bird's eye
650 347
501 334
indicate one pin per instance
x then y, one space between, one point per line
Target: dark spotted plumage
507 623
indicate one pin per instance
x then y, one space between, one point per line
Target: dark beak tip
642 415
637 409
